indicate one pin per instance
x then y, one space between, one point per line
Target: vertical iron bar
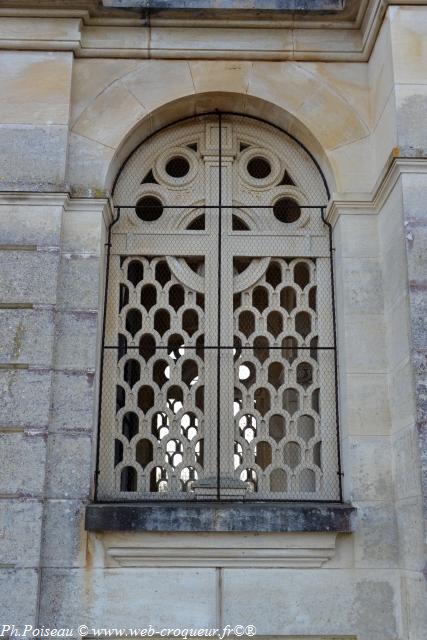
104 321
218 363
334 325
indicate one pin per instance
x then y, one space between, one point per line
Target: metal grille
219 360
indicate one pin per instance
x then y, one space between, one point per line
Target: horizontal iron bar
213 346
216 206
175 498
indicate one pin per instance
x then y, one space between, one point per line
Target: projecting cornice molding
286 550
162 30
103 206
372 203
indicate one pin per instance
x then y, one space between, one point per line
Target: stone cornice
36 199
372 203
88 31
33 199
284 550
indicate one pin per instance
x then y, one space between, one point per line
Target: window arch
219 364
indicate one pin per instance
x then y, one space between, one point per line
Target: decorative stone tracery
218 363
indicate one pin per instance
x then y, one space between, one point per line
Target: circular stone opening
177 167
286 210
149 208
259 167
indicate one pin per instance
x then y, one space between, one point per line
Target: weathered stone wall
67 124
35 103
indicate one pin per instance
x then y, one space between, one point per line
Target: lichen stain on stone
7 384
18 340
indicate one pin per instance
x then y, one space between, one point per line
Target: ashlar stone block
376 538
65 477
414 589
384 136
64 537
75 340
26 336
98 594
83 232
408 27
15 477
366 404
73 404
28 276
358 236
402 396
25 516
24 398
409 515
362 285
91 77
30 224
23 610
367 331
406 463
411 106
381 72
398 335
226 76
355 603
79 282
395 270
35 87
371 468
112 114
88 165
33 157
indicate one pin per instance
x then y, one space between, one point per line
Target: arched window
219 368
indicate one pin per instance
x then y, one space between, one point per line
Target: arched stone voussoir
158 92
88 165
311 99
114 111
110 116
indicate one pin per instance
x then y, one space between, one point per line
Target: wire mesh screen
219 362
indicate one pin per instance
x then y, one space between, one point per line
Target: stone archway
129 100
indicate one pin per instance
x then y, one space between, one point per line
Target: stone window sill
266 517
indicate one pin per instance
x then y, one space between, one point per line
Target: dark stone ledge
260 5
224 10
220 516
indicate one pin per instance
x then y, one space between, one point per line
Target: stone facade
81 86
